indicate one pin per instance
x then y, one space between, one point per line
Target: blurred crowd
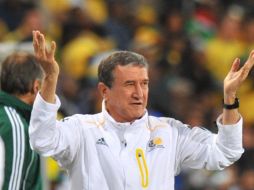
189 44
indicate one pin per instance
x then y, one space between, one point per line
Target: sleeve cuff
232 128
42 104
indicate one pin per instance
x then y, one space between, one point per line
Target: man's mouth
137 103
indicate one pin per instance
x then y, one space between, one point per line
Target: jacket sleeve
50 137
198 148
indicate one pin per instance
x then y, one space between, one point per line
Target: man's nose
138 91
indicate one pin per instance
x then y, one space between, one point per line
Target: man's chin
138 115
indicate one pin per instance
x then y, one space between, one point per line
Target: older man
123 147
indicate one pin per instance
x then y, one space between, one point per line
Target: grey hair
107 65
19 71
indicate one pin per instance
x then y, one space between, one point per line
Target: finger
42 44
53 49
248 65
235 65
250 62
51 52
35 42
244 73
251 54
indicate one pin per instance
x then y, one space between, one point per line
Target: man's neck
27 98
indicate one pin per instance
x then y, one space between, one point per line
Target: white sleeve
50 137
199 148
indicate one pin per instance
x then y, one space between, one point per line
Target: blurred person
57 7
73 24
101 14
249 29
247 180
68 93
147 41
76 97
122 147
3 29
32 20
182 56
78 52
228 40
2 154
183 63
119 24
146 14
12 12
201 25
21 77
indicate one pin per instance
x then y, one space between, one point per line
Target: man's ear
103 89
36 86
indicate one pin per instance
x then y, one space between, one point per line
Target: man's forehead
129 72
130 68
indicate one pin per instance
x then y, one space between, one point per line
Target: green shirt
22 165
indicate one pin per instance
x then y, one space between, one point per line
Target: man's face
126 100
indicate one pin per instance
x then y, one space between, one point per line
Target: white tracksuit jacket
102 154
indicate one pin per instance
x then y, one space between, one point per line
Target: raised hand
45 56
48 63
232 83
236 76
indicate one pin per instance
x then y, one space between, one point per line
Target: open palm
237 75
45 56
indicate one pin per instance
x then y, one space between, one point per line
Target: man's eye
129 84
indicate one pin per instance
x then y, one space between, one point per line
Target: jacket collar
12 101
124 125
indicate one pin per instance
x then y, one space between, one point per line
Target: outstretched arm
49 65
199 148
45 137
232 83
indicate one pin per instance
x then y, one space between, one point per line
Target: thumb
52 50
235 65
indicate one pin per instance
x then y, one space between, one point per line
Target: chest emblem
101 141
157 142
